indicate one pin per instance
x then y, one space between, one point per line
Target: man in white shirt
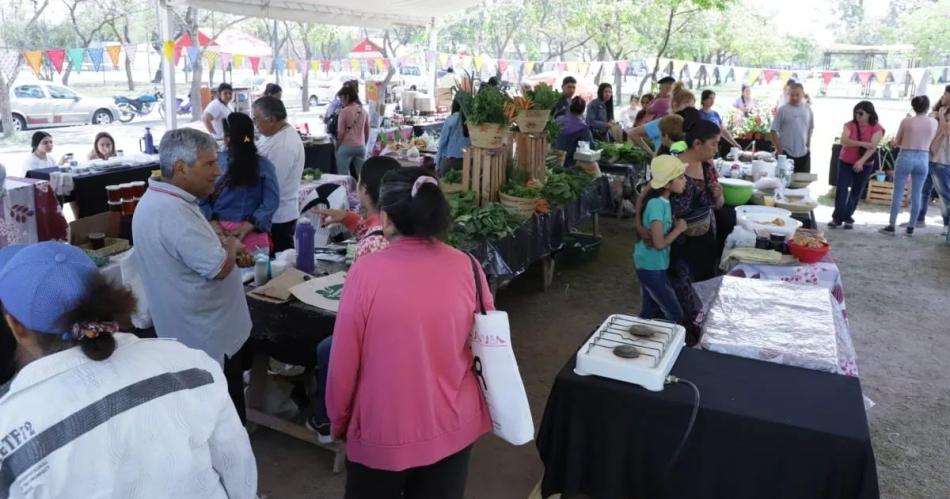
97 413
189 275
217 110
280 143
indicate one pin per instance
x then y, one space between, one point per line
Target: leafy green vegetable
452 177
563 186
463 203
521 191
311 172
490 221
622 153
543 96
553 130
485 106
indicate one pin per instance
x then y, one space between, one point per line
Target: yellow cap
665 169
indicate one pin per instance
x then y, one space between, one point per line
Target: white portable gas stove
632 349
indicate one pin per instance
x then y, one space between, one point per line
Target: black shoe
321 429
910 231
887 230
848 226
834 224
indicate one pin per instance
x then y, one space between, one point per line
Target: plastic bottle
304 242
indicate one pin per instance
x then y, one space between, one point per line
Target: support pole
433 48
168 66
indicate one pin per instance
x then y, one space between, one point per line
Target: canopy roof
366 13
365 49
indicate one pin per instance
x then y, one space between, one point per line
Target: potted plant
485 113
541 99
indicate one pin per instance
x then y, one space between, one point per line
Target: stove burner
641 331
626 351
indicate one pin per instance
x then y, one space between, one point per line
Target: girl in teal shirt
657 297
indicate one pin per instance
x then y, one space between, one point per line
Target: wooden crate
883 192
484 171
531 151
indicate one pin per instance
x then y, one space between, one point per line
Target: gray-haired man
194 291
280 143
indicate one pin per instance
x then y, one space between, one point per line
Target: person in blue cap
7 344
92 412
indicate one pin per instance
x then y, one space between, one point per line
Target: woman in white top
42 157
628 116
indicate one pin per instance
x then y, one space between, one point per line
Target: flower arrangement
756 126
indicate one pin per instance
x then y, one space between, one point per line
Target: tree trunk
6 114
67 73
128 74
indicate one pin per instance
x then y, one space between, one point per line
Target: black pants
283 235
442 480
234 368
802 163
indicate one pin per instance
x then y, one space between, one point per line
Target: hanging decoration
827 76
130 50
35 59
114 51
623 66
753 75
255 64
881 76
56 57
224 60
237 61
76 57
583 67
194 55
864 77
8 63
176 55
769 75
503 65
210 57
326 66
95 55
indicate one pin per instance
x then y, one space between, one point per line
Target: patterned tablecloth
824 274
29 213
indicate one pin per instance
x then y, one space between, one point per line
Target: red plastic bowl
806 254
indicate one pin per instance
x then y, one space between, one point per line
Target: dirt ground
897 292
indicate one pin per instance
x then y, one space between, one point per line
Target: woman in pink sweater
352 131
401 391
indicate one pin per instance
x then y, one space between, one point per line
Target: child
369 230
657 297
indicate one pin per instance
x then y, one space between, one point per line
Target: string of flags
481 64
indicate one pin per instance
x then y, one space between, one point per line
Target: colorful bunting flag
623 66
326 66
881 76
225 61
753 75
130 50
291 66
56 57
76 57
8 63
387 64
35 59
255 64
583 67
503 65
210 57
769 75
479 62
114 51
354 65
95 55
443 60
784 76
917 74
176 55
315 66
237 61
194 55
864 77
826 76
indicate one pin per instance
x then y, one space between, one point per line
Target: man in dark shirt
568 86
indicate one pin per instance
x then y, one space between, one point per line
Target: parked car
327 85
41 104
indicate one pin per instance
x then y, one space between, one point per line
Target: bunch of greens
312 173
563 186
491 221
485 106
543 96
452 176
463 203
552 129
520 186
623 153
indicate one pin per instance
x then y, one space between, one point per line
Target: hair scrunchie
424 179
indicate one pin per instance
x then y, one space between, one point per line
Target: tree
16 38
87 20
121 26
923 29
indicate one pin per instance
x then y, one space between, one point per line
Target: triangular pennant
753 75
784 76
176 54
827 76
255 63
114 51
917 74
8 64
443 60
194 54
35 59
479 62
237 61
881 76
623 66
864 77
76 57
608 69
769 75
582 68
847 76
56 57
387 64
210 57
378 64
354 65
95 55
665 67
290 65
225 60
314 66
325 65
130 50
676 67
503 65
528 68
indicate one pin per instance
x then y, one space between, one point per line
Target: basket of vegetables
534 118
451 182
485 112
471 223
522 195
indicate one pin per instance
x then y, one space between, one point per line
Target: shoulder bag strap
478 285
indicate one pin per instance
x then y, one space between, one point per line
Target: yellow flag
882 76
380 65
315 66
168 49
582 67
753 75
529 68
443 60
355 65
479 60
210 57
237 61
784 76
114 51
34 58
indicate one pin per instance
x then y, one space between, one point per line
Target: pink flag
769 75
502 65
255 63
56 56
864 77
622 66
827 76
326 66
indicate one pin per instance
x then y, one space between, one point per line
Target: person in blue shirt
657 298
246 195
709 114
452 140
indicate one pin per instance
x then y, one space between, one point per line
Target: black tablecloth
320 157
89 190
763 430
289 332
540 235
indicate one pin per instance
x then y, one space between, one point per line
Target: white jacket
154 420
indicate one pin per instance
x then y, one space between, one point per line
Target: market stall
762 430
29 212
86 183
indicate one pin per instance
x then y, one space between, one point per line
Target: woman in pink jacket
401 390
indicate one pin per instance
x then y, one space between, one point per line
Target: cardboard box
107 223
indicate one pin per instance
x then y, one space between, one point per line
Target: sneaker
887 230
848 226
321 429
910 231
834 224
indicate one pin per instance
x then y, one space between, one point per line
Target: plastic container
736 191
806 254
304 243
261 270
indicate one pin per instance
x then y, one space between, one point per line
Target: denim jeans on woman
657 298
938 180
915 165
850 187
350 155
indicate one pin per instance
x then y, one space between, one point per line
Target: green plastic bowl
736 191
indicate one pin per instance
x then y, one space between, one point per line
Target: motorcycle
139 106
182 107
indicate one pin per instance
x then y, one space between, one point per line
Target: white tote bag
497 372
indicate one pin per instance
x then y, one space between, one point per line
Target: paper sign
321 292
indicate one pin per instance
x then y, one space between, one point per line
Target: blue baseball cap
41 282
7 252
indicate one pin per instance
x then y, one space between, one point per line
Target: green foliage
452 177
485 106
563 186
518 187
488 222
552 129
626 152
543 96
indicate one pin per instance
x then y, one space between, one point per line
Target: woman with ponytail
401 390
246 195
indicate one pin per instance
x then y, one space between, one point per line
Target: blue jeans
323 366
850 187
938 180
657 298
350 155
914 164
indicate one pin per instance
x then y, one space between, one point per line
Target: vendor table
763 430
89 190
29 212
320 157
345 181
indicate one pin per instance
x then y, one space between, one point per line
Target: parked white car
41 104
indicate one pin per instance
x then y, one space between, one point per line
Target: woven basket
486 135
449 189
533 121
521 206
